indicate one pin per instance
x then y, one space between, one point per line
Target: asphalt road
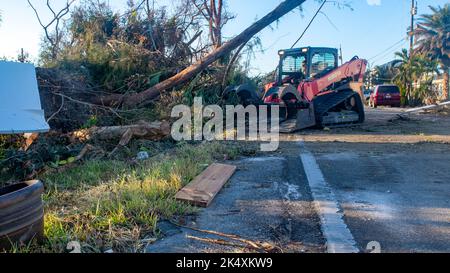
391 180
401 200
386 182
265 201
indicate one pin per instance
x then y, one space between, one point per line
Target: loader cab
305 63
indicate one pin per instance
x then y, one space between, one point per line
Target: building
438 85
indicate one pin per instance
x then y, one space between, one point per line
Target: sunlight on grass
105 204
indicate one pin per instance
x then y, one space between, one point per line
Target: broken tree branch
248 243
152 131
57 17
188 73
230 65
218 242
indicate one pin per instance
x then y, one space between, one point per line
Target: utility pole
411 34
411 45
341 58
22 56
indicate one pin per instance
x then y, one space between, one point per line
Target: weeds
113 204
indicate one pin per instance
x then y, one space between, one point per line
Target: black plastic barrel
21 213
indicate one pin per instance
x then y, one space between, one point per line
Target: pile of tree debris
64 98
107 75
55 150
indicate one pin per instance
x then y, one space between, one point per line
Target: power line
329 21
312 20
387 49
387 53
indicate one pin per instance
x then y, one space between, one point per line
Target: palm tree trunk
445 86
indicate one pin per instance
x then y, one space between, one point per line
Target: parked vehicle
385 95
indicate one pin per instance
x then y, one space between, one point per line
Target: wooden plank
202 190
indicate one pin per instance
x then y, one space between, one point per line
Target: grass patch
112 204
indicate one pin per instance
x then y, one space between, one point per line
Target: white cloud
374 2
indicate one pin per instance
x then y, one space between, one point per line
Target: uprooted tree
188 73
133 58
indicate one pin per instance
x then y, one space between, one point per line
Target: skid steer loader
311 89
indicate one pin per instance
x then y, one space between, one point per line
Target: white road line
337 234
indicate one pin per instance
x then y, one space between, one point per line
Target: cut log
154 92
202 190
152 131
30 138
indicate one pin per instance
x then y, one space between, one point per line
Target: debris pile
64 98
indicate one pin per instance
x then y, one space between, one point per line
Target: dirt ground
385 125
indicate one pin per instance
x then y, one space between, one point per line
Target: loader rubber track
323 104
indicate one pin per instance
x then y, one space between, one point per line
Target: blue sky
372 27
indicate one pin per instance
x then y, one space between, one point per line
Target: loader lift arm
350 73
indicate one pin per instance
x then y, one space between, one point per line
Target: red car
386 95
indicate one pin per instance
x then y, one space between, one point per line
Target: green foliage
133 51
46 152
91 122
8 143
433 34
105 204
119 52
3 146
415 76
384 74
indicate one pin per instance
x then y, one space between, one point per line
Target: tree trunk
185 75
151 131
445 84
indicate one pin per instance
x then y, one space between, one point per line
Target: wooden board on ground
202 190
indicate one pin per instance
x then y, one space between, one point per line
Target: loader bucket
306 118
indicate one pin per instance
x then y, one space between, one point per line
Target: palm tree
412 73
385 73
404 76
433 39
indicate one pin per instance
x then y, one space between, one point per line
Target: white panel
20 105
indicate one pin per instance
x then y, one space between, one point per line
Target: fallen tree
152 131
154 92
